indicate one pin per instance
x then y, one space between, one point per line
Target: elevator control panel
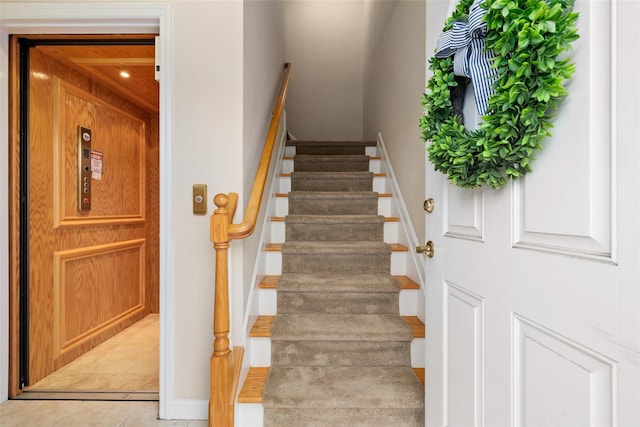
84 169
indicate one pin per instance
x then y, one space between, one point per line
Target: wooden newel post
220 379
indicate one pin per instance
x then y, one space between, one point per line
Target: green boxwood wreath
527 37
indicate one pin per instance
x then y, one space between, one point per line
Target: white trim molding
98 18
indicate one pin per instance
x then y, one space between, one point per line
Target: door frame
96 18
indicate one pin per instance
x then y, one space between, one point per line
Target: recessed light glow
39 75
125 74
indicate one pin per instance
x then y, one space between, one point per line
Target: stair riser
338 302
343 185
330 150
336 263
334 232
340 354
349 353
379 185
332 166
390 233
268 302
375 166
273 265
338 206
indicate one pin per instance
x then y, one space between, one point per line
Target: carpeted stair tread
340 353
333 203
347 196
335 247
334 219
340 327
319 143
328 302
331 176
331 163
328 387
331 147
351 417
364 282
334 227
332 181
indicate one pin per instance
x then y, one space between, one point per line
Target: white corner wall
202 144
394 81
324 42
207 148
264 58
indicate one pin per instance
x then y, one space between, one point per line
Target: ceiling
104 63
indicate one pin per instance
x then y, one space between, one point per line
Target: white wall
207 140
204 145
324 42
264 53
394 81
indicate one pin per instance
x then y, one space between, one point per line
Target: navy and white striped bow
466 42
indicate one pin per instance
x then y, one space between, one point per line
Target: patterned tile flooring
87 373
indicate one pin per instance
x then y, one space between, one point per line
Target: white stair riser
287 166
281 206
408 302
284 184
274 263
380 184
398 263
417 353
277 231
260 352
249 414
268 302
375 165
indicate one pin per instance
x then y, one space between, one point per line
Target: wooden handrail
248 224
224 368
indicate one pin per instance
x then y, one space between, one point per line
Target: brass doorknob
428 249
429 205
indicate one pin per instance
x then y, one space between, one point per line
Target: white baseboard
187 409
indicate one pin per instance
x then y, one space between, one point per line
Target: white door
533 299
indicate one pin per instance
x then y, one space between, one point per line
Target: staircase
340 353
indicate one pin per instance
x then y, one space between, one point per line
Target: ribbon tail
483 76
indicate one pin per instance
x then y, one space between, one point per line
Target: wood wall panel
118 197
152 219
71 309
95 288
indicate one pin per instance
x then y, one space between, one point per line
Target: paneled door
533 304
86 247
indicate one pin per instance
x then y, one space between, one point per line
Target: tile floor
127 361
66 413
111 367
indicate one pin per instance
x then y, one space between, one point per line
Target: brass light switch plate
199 199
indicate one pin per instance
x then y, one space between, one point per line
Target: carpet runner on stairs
340 349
